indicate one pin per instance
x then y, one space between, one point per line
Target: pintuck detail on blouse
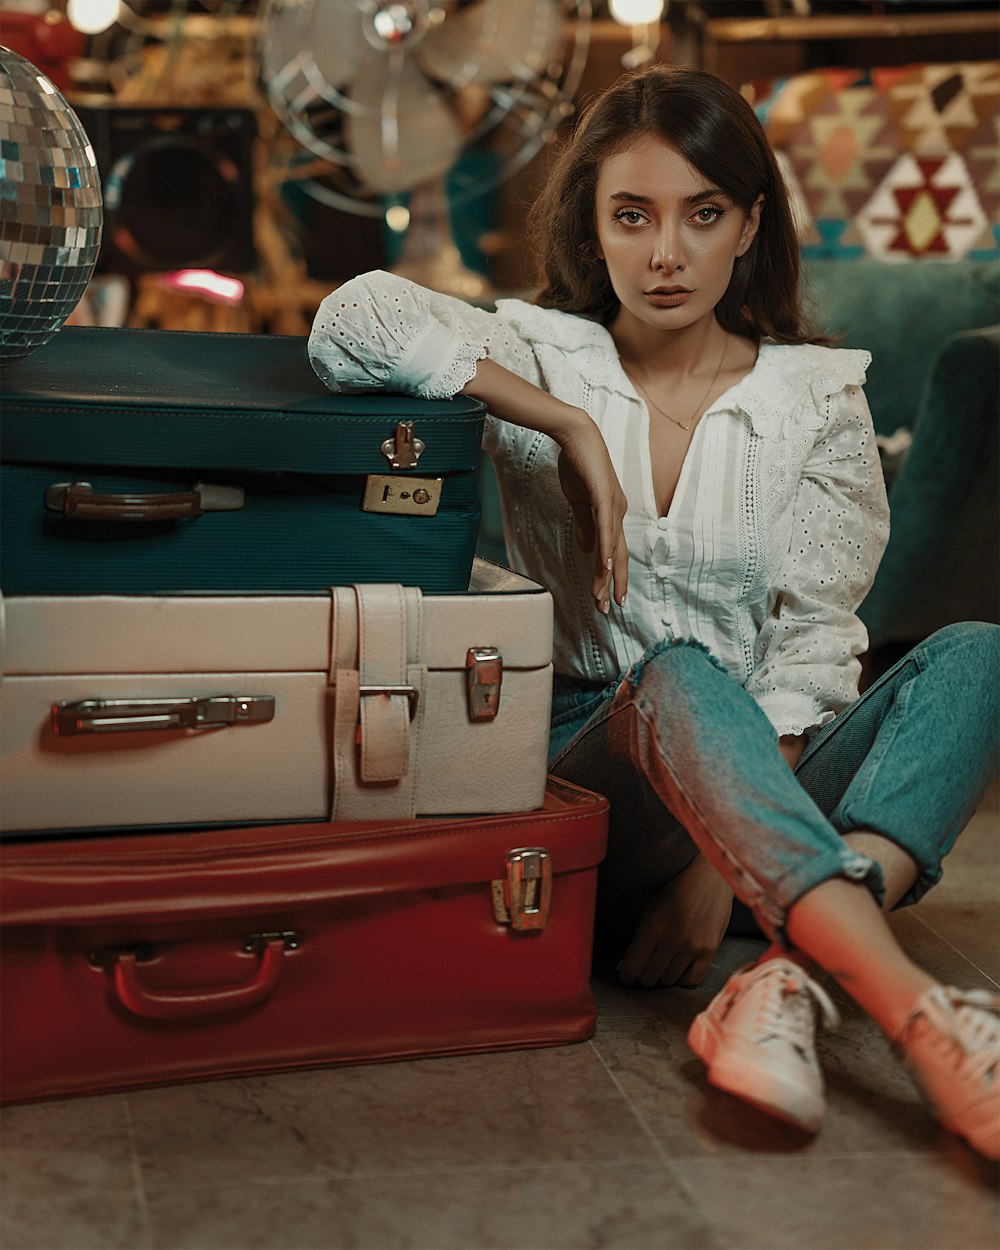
776 527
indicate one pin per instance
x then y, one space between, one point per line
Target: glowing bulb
636 12
397 218
204 282
90 17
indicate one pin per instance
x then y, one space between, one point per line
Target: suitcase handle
104 716
77 501
138 998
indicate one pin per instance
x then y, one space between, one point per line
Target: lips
668 297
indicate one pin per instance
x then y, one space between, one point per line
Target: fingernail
609 564
606 606
624 598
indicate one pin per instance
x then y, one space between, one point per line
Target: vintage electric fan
392 92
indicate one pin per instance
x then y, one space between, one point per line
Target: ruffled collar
788 384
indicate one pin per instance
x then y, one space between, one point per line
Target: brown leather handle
196 1004
77 501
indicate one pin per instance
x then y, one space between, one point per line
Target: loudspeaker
178 187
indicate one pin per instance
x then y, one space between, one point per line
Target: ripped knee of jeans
634 673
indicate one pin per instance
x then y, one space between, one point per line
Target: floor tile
958 961
50 1147
86 1219
964 908
544 1106
632 1207
859 1202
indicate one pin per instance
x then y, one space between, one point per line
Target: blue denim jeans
689 762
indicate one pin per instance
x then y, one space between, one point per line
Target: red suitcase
130 961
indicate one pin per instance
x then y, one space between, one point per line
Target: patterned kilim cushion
898 164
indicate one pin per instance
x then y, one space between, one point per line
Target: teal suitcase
146 461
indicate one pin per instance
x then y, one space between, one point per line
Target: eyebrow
706 193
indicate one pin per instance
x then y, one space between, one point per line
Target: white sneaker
758 1040
951 1044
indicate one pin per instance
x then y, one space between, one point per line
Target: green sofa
933 332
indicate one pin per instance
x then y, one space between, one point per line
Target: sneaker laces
784 1003
966 1020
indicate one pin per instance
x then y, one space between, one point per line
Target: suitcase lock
483 679
404 449
523 898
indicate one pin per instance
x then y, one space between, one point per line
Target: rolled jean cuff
771 912
929 870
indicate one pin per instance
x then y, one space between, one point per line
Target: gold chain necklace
689 421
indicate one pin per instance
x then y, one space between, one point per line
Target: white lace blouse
775 529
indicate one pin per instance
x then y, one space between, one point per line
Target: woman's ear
750 226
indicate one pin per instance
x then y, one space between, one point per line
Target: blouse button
662 522
661 571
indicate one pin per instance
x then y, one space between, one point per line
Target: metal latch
105 956
483 679
102 716
412 496
254 943
404 449
523 898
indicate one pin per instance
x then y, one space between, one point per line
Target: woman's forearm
513 399
586 475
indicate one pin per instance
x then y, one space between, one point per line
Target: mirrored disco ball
51 211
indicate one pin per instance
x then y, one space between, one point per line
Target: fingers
695 973
583 525
598 504
612 564
651 961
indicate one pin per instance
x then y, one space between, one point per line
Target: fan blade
323 40
401 133
493 41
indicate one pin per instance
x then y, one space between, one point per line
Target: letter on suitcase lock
411 496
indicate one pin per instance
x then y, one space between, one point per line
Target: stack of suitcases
272 772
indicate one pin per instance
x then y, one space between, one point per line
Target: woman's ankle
808 966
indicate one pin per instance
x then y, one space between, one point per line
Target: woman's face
669 237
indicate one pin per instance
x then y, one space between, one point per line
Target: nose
668 254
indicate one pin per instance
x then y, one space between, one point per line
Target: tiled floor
617 1142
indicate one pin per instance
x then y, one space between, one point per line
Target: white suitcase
370 702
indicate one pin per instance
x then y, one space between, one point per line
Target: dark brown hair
717 132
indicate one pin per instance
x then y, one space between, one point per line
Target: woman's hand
591 487
586 474
680 930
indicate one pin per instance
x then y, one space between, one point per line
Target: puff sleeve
806 666
382 332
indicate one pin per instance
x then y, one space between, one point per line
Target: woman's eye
630 216
708 214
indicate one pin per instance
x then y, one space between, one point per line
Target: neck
649 351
